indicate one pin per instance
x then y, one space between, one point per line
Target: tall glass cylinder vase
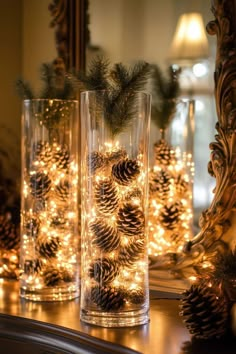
171 186
114 279
49 205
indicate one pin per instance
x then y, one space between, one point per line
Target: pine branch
48 78
165 91
24 89
97 76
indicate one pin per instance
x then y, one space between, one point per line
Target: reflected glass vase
49 204
171 187
114 263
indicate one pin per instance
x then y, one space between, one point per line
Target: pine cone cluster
106 237
106 196
205 311
108 298
125 171
104 270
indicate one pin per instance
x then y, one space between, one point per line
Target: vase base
115 319
50 294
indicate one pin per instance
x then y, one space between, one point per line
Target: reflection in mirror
127 31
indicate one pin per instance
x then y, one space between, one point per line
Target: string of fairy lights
113 231
170 200
49 246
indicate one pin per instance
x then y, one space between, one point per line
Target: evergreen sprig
165 91
120 83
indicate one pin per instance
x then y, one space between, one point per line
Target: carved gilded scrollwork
218 222
69 21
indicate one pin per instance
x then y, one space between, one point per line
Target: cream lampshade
190 41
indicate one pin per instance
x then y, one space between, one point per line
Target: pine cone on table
9 233
106 196
125 171
130 220
130 253
108 298
205 311
106 237
104 270
40 185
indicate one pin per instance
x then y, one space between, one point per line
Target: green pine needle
165 91
24 89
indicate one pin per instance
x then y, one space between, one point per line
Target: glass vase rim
27 100
144 93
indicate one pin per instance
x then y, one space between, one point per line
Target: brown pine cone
108 298
116 155
170 215
160 183
104 270
62 190
9 233
96 161
205 311
40 184
163 153
125 171
60 157
106 237
52 276
130 253
42 153
106 196
130 220
47 246
136 296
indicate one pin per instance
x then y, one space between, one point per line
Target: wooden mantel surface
165 334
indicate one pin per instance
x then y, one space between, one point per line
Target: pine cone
67 276
9 233
163 153
181 185
106 196
58 221
40 184
108 298
60 157
106 237
130 253
160 183
62 190
104 270
136 296
96 161
116 155
125 171
47 246
130 220
205 311
42 153
31 266
134 193
170 215
52 276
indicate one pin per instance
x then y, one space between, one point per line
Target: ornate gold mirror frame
218 222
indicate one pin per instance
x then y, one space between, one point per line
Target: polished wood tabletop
164 334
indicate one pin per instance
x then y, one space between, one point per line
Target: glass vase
49 204
171 187
114 263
